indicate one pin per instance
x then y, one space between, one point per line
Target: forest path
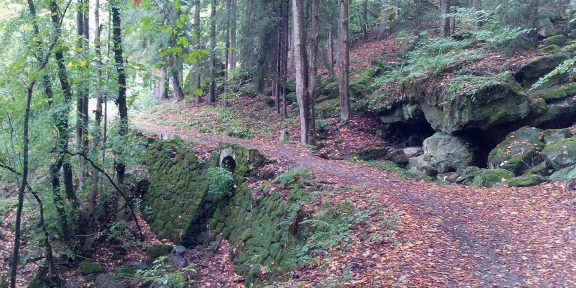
451 236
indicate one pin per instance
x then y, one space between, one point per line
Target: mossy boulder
158 250
557 92
90 268
492 178
117 280
534 69
553 135
526 180
568 173
519 152
485 103
561 154
559 40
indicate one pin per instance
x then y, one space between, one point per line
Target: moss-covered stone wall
259 232
177 204
179 207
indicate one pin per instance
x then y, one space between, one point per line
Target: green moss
90 268
558 40
492 177
557 92
158 250
561 154
526 180
519 151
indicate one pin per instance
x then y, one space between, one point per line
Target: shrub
221 182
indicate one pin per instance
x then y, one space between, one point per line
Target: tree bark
344 63
331 52
121 99
197 66
365 19
233 19
212 89
60 118
161 89
315 15
83 22
307 129
445 10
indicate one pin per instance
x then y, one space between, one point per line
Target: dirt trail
454 236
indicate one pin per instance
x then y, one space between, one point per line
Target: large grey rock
442 153
561 154
448 153
552 135
529 72
567 173
486 103
519 152
412 152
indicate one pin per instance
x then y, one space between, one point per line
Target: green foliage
221 182
90 268
298 177
162 275
158 250
330 229
565 67
119 231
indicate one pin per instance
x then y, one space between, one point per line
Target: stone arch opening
228 163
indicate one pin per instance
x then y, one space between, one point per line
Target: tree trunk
60 118
212 89
477 5
197 66
232 52
315 15
344 63
365 19
121 100
93 197
533 7
300 59
83 21
161 88
445 10
285 48
331 52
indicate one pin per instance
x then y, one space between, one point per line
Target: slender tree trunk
62 161
285 48
477 5
21 189
533 7
121 99
307 129
93 197
83 21
198 30
365 19
315 15
331 52
344 63
445 10
232 52
212 90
